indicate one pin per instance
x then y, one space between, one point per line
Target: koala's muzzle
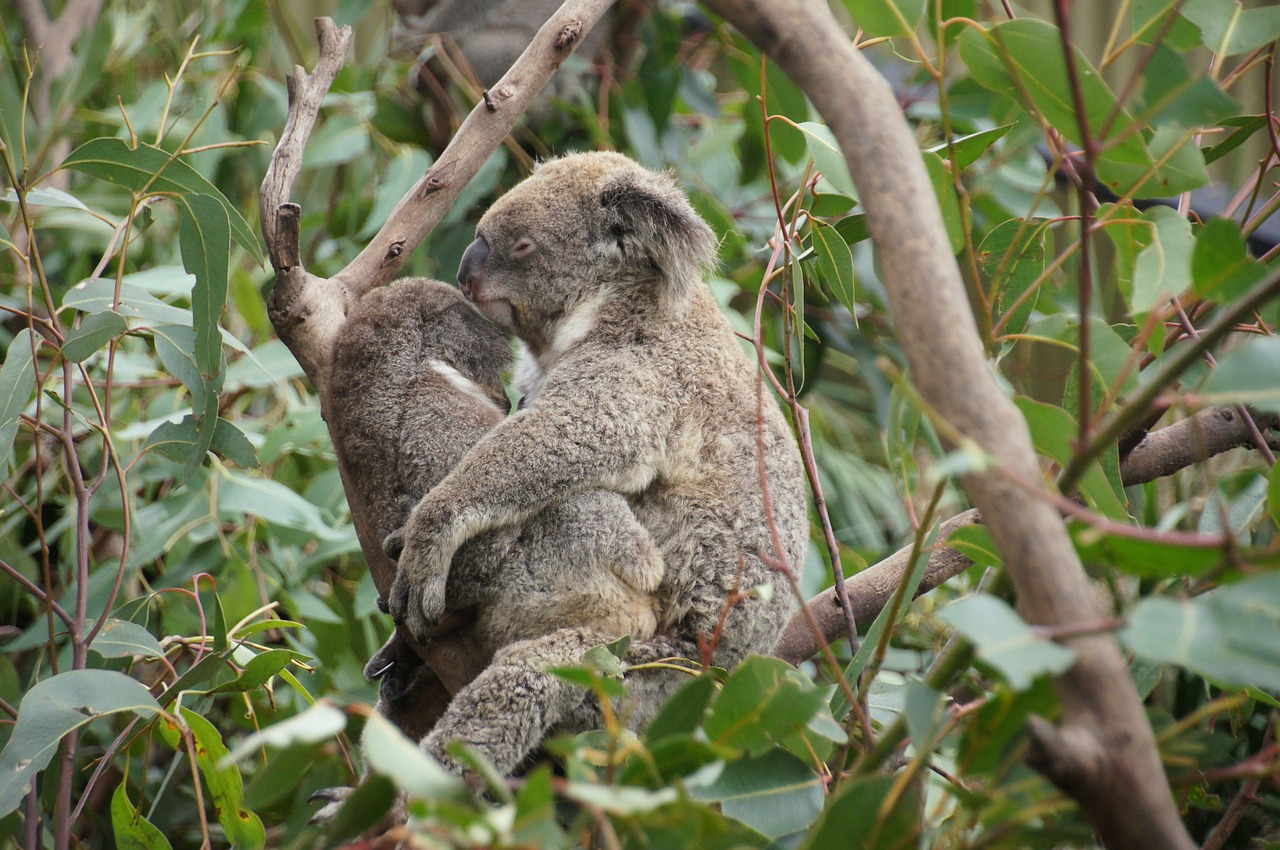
471 269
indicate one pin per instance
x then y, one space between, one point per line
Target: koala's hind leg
506 712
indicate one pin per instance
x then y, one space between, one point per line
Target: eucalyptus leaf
1004 641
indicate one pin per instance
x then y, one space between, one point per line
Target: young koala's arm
594 426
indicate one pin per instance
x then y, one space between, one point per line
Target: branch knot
568 36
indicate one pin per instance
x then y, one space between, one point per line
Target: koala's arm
595 425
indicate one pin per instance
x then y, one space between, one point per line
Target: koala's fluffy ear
646 215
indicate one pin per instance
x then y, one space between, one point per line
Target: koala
416 381
633 383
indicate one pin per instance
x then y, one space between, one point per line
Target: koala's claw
333 798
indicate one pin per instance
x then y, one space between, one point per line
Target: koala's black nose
471 269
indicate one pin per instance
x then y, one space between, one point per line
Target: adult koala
634 383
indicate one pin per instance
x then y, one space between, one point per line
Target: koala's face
581 226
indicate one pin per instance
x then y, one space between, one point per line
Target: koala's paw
333 798
417 600
393 545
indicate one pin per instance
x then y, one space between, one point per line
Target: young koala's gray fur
416 382
634 383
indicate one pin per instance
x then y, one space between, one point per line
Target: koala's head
583 227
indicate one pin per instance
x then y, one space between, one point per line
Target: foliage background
229 586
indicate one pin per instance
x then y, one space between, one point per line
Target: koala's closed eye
524 247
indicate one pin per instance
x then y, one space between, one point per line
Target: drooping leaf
205 239
133 831
55 707
826 155
1005 641
223 786
940 174
176 441
835 262
17 385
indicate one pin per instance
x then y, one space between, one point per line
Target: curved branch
1123 791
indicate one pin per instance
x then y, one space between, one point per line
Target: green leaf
17 386
834 261
1026 55
260 670
122 639
47 198
886 18
1228 635
1163 269
963 151
775 793
1273 494
536 824
155 170
1172 93
320 722
1246 126
205 239
619 800
1221 267
1054 432
1228 28
859 817
54 707
1145 558
924 710
1004 641
1248 375
133 831
764 701
826 155
273 502
683 713
945 188
94 332
223 785
389 752
689 824
1012 258
368 803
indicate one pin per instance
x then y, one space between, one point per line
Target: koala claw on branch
417 597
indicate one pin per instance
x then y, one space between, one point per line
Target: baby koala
416 381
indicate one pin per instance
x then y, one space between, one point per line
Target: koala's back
416 381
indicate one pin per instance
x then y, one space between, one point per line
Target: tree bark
1105 754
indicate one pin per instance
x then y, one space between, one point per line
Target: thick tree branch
1163 452
1118 781
1197 438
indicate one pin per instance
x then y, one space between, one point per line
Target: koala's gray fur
635 384
416 380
